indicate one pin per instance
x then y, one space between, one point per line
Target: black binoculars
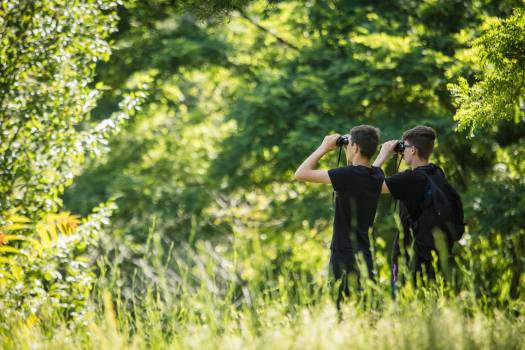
342 140
400 147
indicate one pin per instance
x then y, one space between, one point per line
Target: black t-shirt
409 188
357 188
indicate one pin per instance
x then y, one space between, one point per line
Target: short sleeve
400 184
342 178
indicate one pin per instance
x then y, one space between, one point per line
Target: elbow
298 176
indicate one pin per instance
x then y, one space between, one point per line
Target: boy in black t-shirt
409 188
357 187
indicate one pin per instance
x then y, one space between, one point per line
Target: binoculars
400 147
342 140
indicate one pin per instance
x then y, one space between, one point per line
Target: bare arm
387 150
307 172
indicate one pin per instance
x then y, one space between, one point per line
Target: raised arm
387 150
307 172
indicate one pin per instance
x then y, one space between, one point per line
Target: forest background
147 156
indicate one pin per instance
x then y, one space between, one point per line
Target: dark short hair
422 137
367 138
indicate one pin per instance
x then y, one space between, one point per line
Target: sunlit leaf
15 227
7 249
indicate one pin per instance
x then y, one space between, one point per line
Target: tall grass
199 298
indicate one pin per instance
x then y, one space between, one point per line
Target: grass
209 324
195 298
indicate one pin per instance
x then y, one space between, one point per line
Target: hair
422 137
367 138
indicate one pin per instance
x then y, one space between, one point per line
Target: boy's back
358 189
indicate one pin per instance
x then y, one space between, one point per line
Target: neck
359 160
418 162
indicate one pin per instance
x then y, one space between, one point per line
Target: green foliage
48 56
206 10
45 267
385 64
158 167
213 242
494 102
234 107
499 92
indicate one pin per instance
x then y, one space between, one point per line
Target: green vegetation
174 128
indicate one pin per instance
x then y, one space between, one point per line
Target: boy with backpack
357 189
429 206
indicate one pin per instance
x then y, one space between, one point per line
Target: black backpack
441 207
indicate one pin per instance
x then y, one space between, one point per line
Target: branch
266 30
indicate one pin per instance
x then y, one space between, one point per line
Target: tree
499 92
48 56
494 105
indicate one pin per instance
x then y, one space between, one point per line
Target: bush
45 268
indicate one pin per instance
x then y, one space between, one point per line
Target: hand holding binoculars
342 140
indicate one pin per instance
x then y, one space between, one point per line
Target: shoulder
346 170
407 177
407 174
342 174
377 171
358 170
433 169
